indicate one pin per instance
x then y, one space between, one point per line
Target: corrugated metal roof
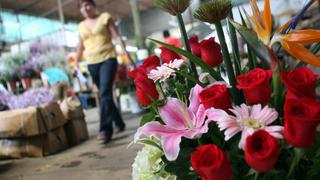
49 8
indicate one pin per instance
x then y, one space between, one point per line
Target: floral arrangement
252 121
33 97
44 56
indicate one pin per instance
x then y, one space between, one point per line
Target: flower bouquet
250 121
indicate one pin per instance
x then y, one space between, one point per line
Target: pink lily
180 121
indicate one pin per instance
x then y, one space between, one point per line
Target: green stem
199 141
154 107
252 59
235 49
297 156
186 41
256 176
277 90
191 78
161 89
227 60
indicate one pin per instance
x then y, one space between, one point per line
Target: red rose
216 96
138 71
151 63
146 90
211 163
301 118
211 52
195 46
300 82
167 55
256 86
262 151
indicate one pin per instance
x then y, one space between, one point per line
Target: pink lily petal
154 128
192 133
175 114
194 98
200 116
171 146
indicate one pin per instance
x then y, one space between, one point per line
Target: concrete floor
87 161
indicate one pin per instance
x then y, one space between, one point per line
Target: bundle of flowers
33 97
255 121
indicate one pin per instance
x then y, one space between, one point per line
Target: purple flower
34 97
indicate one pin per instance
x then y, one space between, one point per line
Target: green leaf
147 118
150 143
261 50
181 166
242 19
189 77
192 58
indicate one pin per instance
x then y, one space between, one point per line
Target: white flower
147 165
164 71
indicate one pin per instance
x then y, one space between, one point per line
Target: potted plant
9 76
10 65
26 72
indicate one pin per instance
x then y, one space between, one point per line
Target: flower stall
231 120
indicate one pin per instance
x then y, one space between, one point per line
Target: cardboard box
72 109
52 116
19 148
37 146
21 123
76 131
55 141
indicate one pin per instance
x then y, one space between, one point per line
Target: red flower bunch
208 50
262 151
211 163
256 86
146 89
216 96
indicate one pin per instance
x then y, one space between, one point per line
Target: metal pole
61 16
137 23
20 32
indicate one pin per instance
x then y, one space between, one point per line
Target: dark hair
88 1
166 33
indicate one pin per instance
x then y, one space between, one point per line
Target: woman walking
96 32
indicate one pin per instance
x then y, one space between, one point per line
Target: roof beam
26 7
49 12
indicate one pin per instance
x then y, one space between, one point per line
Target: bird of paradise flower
292 41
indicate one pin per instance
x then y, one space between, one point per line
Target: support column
61 16
137 23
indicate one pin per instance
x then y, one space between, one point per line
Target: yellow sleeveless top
97 42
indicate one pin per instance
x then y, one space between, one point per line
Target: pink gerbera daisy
247 120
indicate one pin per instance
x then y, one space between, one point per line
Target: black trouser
103 75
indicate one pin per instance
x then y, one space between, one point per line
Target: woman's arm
114 31
80 49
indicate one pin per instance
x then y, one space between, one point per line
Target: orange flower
293 42
261 22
